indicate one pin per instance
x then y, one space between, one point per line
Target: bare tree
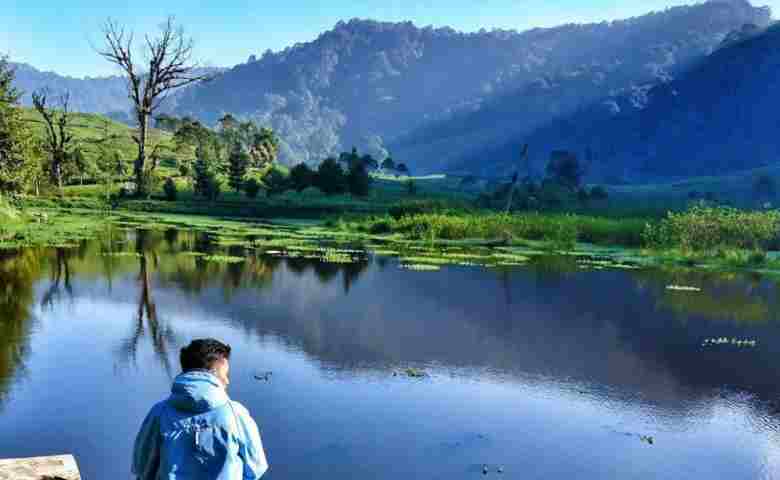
58 137
169 66
515 177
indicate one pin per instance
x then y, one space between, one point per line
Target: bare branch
169 66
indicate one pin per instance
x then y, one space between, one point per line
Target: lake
548 370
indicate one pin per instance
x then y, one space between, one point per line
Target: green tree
370 162
228 122
565 169
58 136
301 177
237 165
15 139
192 133
388 164
168 123
206 182
78 166
275 182
263 145
358 180
169 187
330 177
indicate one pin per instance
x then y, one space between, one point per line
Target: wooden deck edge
57 467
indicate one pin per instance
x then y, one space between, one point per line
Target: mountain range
438 99
719 116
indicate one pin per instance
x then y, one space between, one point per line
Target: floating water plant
729 341
682 288
337 256
419 267
223 259
414 372
121 254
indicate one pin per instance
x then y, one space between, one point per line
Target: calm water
547 371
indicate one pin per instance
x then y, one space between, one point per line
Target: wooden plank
59 467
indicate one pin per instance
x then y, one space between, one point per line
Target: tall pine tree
237 166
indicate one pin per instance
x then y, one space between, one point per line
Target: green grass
561 230
88 129
8 213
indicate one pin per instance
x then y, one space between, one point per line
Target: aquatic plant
414 373
683 288
419 267
729 341
224 259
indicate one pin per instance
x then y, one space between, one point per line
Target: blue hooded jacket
198 433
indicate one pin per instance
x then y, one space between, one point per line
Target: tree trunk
57 170
140 162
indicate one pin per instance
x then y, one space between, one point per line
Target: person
198 433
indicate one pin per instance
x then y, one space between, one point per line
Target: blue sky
56 35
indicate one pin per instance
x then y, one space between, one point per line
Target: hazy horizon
67 49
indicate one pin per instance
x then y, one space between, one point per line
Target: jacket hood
197 391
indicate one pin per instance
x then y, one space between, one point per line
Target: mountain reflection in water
547 370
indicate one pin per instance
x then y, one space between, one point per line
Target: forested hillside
717 118
437 95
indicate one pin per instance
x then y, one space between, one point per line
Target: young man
198 433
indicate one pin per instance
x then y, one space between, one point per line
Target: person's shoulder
240 409
158 408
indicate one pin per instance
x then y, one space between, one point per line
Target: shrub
381 227
169 187
709 229
562 235
311 192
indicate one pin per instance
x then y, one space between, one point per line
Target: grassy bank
439 217
561 230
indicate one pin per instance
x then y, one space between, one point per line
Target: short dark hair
202 354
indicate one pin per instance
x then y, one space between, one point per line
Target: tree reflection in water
18 273
147 323
60 278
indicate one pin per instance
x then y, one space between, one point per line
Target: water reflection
60 278
147 322
551 337
18 272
